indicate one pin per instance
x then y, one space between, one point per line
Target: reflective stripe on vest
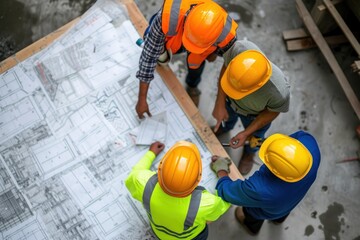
176 9
149 189
193 207
192 211
195 60
174 16
226 30
183 235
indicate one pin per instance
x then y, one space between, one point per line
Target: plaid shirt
154 47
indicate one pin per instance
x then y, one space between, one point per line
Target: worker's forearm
260 121
222 173
145 162
221 96
143 90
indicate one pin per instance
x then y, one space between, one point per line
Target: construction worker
290 167
202 29
253 89
176 206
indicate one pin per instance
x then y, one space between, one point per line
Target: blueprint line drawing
18 116
152 129
68 134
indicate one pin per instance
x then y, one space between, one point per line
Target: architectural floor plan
68 130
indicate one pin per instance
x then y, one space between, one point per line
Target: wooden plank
322 18
318 10
295 34
8 63
322 7
300 44
329 56
339 20
308 42
356 66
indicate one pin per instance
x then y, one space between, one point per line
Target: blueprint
152 129
68 133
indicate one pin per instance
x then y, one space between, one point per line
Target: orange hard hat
246 73
203 26
180 169
286 157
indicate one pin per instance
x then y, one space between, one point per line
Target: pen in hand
228 144
223 123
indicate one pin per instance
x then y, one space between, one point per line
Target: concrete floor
331 208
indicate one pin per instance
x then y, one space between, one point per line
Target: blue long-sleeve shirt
266 196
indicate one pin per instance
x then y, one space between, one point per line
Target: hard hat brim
266 143
264 149
234 93
163 175
189 46
230 90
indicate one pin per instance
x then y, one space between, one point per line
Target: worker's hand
211 57
220 114
220 163
141 108
238 140
157 147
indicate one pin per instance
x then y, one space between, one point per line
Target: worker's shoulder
238 47
209 198
244 44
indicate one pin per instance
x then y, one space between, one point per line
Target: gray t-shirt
273 95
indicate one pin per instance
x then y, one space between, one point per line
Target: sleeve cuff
150 155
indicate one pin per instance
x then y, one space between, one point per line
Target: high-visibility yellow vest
171 217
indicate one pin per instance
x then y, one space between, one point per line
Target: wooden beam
295 34
329 56
308 42
322 7
339 20
322 18
356 66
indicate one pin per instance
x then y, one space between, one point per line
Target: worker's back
176 206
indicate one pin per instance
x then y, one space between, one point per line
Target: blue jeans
246 121
255 224
203 235
193 77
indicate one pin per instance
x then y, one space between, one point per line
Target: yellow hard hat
180 169
286 157
246 73
203 26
